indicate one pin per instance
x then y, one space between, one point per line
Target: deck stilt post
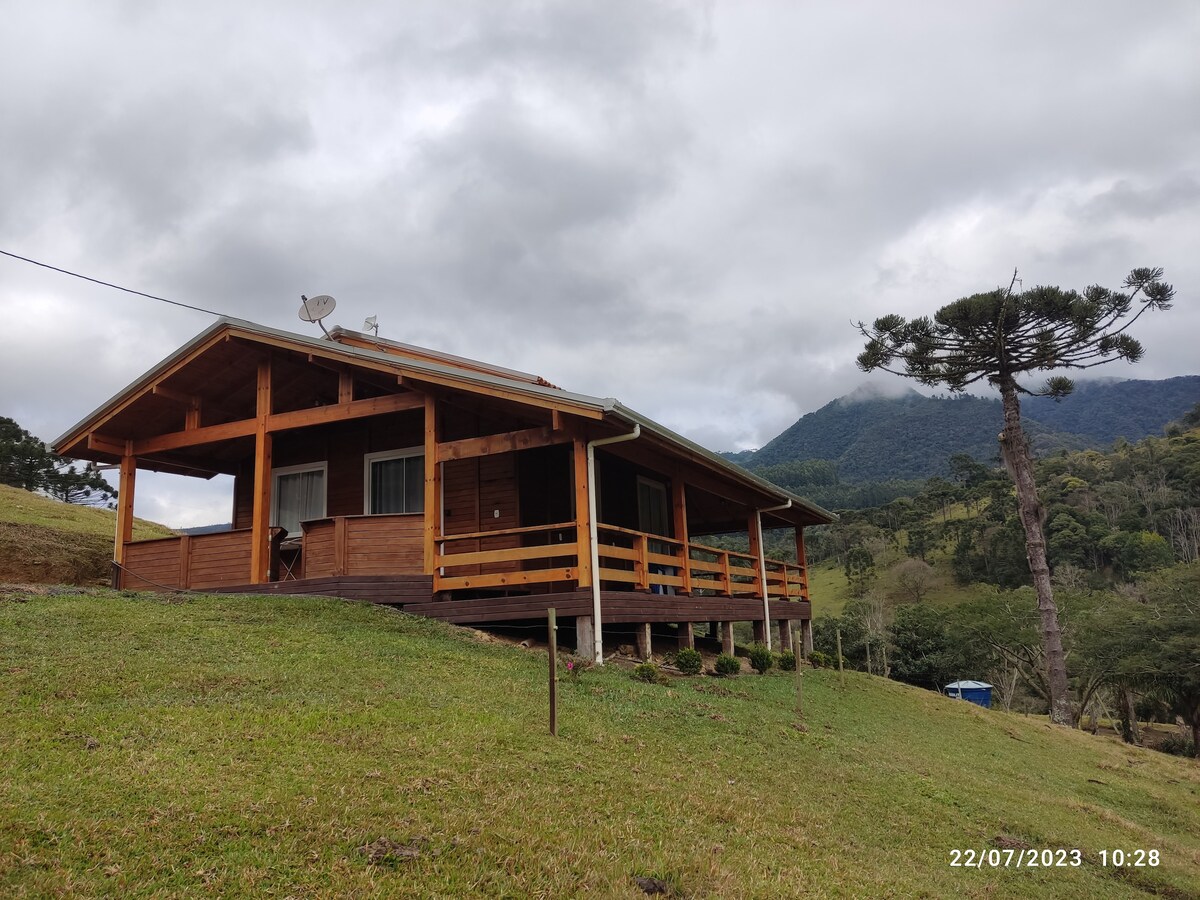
762 632
644 646
806 638
785 635
727 638
687 639
584 638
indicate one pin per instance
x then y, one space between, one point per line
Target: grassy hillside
245 746
43 541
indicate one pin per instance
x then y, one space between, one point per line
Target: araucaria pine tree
1000 337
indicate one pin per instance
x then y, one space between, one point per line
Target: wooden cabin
374 470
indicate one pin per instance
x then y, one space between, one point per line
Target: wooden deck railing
630 559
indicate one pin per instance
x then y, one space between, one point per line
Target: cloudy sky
680 205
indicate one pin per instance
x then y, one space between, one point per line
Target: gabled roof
451 371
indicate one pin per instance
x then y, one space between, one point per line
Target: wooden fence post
841 670
799 682
552 628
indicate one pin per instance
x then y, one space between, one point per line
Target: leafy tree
860 570
998 337
25 462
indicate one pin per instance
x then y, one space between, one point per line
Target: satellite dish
314 309
372 324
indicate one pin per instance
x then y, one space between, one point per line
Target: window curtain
301 496
398 485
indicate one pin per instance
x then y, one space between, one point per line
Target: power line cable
110 284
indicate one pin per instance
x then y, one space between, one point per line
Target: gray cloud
681 205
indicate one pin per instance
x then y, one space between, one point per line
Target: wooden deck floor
414 594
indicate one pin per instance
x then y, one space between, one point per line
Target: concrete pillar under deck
785 635
760 631
806 640
726 638
644 647
686 637
585 638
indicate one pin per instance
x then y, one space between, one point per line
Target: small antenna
372 324
314 309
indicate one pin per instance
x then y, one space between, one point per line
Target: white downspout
762 565
594 533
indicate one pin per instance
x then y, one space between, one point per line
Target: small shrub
689 661
728 666
1178 745
647 672
819 660
787 661
761 659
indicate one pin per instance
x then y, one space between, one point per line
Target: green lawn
244 746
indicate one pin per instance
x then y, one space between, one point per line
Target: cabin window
395 481
297 494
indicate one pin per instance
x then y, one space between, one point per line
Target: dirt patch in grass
39 554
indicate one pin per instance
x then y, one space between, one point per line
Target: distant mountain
872 437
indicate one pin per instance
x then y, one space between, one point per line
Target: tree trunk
1014 450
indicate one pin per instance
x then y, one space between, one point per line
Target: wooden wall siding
392 590
214 560
363 545
460 493
384 545
157 561
318 553
498 492
343 446
219 559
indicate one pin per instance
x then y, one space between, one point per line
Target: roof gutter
762 566
594 534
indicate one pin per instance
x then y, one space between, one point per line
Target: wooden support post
802 562
785 635
433 490
124 533
806 639
714 630
185 560
727 638
644 647
679 509
799 677
585 638
552 631
761 630
260 536
641 566
345 387
754 526
687 639
841 666
726 578
340 545
583 526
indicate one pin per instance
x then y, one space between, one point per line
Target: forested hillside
935 587
868 438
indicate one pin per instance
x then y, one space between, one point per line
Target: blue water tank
977 692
